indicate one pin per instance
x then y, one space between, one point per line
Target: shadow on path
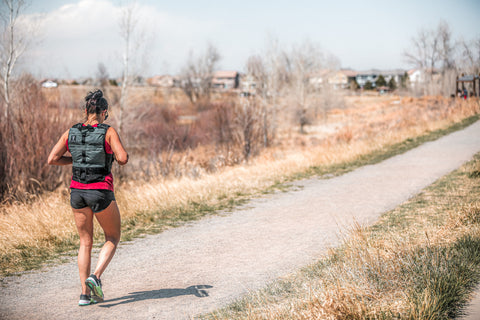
198 291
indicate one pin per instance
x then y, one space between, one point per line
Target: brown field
202 175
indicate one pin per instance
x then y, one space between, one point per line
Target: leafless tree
223 125
447 46
328 96
257 70
260 78
196 76
128 23
248 125
102 75
469 59
447 57
425 50
269 74
433 51
305 60
424 54
135 50
13 43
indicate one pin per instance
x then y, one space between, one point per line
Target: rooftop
225 74
468 78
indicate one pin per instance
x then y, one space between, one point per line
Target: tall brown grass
175 178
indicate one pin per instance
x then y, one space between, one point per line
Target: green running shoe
95 286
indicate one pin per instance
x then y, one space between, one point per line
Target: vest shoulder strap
103 126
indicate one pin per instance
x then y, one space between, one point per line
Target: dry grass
31 232
420 261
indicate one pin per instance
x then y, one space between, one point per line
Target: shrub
26 140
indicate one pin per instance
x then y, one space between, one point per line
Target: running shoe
85 300
95 286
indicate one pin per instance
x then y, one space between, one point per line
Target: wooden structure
473 79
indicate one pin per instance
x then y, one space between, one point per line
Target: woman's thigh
84 222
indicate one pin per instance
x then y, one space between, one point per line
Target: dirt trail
190 270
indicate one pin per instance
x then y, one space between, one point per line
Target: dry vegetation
168 184
420 261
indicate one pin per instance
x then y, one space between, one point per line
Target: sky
73 37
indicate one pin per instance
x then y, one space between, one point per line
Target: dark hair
95 102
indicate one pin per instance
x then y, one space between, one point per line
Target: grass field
419 261
366 132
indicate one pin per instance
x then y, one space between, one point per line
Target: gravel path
193 269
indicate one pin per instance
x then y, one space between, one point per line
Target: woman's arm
117 147
56 156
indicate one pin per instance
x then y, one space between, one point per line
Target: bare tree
425 54
447 57
258 73
305 60
470 56
196 76
128 23
247 121
327 95
13 44
135 51
432 51
269 73
257 69
102 75
447 47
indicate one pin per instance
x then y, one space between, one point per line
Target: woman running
93 146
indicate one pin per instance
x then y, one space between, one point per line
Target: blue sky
77 35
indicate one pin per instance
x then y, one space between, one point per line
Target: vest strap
89 175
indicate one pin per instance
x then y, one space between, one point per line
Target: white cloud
76 37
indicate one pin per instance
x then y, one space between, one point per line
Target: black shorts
97 199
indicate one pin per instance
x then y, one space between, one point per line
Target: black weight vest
91 162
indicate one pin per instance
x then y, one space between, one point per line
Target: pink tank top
106 184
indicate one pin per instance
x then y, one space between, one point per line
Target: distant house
164 81
367 76
415 76
396 75
338 79
351 76
226 80
372 75
49 84
341 79
418 77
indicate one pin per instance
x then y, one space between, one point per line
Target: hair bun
97 94
95 102
94 96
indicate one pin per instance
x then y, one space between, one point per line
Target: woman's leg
84 222
110 222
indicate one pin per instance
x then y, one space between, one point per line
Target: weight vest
91 162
